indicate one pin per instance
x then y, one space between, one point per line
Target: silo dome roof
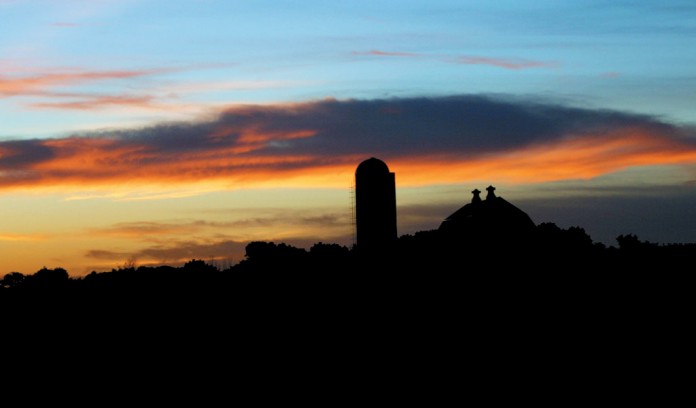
372 166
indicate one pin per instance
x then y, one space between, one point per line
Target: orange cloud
90 102
319 145
84 162
31 85
94 162
47 89
51 89
579 157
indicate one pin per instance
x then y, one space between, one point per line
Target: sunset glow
238 157
150 133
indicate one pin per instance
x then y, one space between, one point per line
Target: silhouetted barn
375 204
491 220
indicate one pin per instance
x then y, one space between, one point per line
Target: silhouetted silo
375 202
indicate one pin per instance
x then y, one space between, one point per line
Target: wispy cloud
175 252
146 230
381 53
21 237
79 89
178 241
442 139
92 102
42 83
64 24
506 63
74 89
210 86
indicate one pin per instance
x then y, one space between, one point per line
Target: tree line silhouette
420 259
427 301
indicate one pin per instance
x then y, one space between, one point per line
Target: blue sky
141 82
632 56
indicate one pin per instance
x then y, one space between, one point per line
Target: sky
154 132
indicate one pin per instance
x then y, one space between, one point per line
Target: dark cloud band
307 136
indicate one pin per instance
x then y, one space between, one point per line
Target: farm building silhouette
484 221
